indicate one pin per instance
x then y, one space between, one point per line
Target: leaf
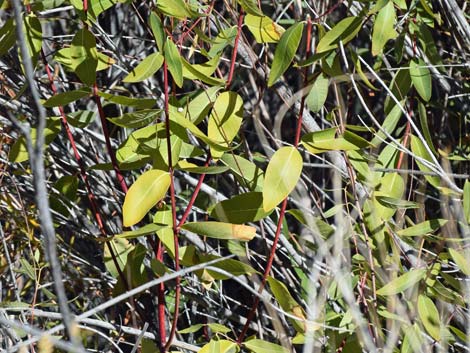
158 31
146 191
224 38
250 7
383 28
344 31
466 201
397 203
65 98
33 35
388 125
261 346
400 86
247 207
151 228
319 92
173 60
219 346
285 51
84 56
138 103
282 174
225 120
200 105
174 8
388 196
421 78
150 65
7 36
203 170
263 28
402 283
326 140
250 173
423 228
121 248
137 119
429 317
462 260
192 328
417 147
220 230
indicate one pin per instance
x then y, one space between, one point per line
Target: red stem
235 49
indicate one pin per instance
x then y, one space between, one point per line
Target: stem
235 49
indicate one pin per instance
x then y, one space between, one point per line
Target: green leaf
150 65
400 86
205 170
151 228
84 56
417 147
65 98
200 105
224 38
33 35
402 283
388 196
247 207
249 172
250 7
225 120
261 346
429 317
263 28
326 140
7 36
137 119
423 228
389 125
158 31
173 60
138 103
218 328
285 52
220 230
344 31
421 78
27 269
396 203
146 191
282 175
383 28
466 201
121 248
174 8
318 94
192 329
462 259
219 346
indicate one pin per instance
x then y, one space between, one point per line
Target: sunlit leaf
429 317
173 60
282 175
149 66
417 147
263 28
261 346
243 208
383 28
220 230
344 31
285 51
421 78
146 191
402 283
84 55
220 346
318 93
462 259
65 98
423 228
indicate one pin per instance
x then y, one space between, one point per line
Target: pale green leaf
219 346
146 191
466 201
383 28
263 28
7 36
462 259
65 98
423 228
421 78
149 66
429 317
250 7
402 283
137 119
418 148
285 51
326 140
158 31
173 60
318 93
84 56
344 31
240 209
220 230
174 8
282 174
261 346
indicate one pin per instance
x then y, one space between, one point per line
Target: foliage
264 176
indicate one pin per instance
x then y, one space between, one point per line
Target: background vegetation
217 176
